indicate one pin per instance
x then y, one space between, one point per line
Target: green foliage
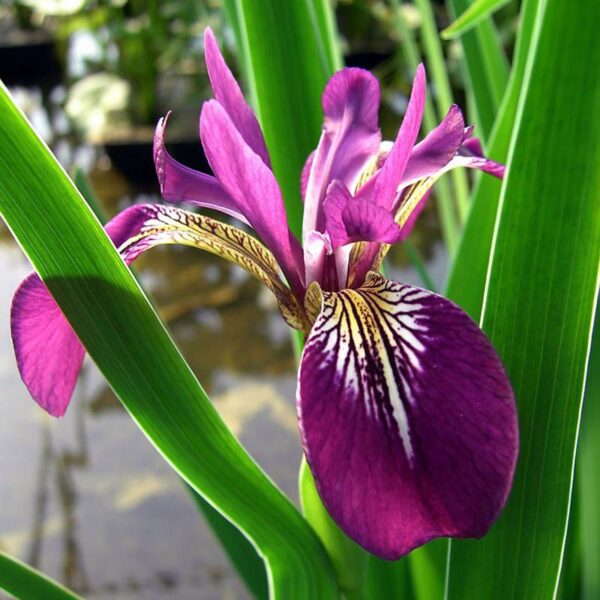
485 68
25 583
116 323
479 10
539 305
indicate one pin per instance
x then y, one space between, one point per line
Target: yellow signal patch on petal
170 225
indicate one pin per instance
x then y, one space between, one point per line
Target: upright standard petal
350 137
228 93
253 186
407 417
437 149
179 183
390 176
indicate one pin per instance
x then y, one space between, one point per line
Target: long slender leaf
24 582
349 560
412 56
540 301
486 69
242 554
467 277
479 10
443 93
110 314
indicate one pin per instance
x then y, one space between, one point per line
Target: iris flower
407 417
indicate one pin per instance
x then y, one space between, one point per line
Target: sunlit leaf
24 582
479 10
114 320
540 302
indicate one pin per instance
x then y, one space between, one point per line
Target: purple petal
408 419
317 246
179 183
355 220
253 186
350 137
437 149
391 174
304 175
49 354
228 93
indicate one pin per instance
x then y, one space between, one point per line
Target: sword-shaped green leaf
540 302
24 582
479 10
116 323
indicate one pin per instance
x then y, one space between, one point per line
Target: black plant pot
29 58
133 159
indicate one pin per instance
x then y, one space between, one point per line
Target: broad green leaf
479 10
540 302
242 554
467 277
116 323
287 66
24 582
486 69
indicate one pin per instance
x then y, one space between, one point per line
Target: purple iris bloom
407 417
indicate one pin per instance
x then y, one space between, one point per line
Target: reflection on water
86 498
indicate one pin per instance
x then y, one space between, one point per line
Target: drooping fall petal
350 137
170 225
179 183
49 354
407 417
253 186
228 93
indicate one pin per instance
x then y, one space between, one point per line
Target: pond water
86 498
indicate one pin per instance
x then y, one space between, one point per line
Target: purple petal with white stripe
408 419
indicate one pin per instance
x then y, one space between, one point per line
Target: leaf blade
116 323
545 260
472 16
